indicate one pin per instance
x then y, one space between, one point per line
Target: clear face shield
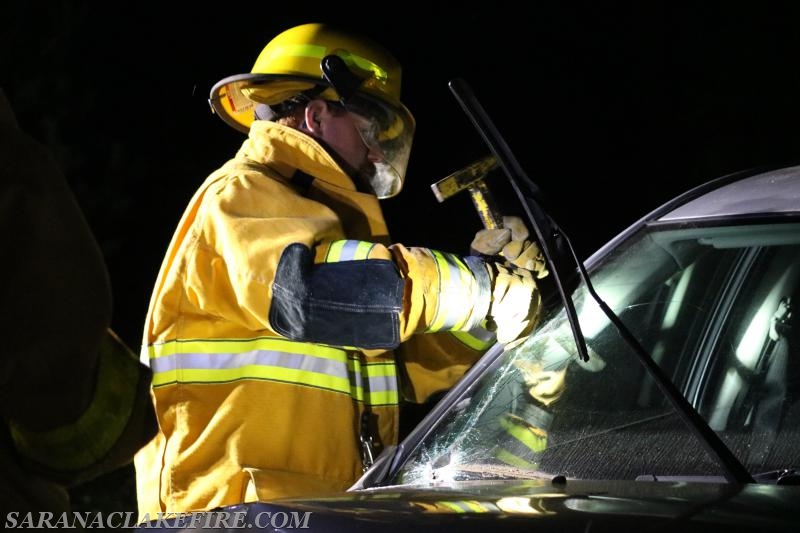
388 139
385 131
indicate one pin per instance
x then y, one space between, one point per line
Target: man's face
349 135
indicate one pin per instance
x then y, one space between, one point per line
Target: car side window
746 385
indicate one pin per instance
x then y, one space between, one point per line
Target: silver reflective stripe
330 369
455 292
381 381
478 338
348 250
218 361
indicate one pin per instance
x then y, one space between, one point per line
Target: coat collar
287 150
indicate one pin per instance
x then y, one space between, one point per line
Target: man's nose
375 154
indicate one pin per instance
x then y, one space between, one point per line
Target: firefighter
75 401
285 327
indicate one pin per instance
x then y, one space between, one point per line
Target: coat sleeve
274 261
379 301
75 402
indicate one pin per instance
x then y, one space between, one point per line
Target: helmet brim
234 98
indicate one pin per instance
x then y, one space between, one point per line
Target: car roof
746 194
772 192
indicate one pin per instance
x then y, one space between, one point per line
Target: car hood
537 505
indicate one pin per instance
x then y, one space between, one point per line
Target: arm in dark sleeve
74 398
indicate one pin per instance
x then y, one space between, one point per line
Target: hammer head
472 178
464 178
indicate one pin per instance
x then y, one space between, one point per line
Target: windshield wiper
553 242
559 254
783 476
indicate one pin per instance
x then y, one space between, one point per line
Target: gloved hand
545 385
514 304
512 242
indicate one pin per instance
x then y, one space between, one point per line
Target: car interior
721 324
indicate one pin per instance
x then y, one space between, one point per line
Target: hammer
471 178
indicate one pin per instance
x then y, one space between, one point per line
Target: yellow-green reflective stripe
477 338
475 506
381 382
364 64
268 359
379 394
452 310
513 460
300 50
86 441
533 442
348 250
454 506
463 506
227 375
313 51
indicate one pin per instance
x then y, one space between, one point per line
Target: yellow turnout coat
281 312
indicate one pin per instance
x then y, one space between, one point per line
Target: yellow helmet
320 61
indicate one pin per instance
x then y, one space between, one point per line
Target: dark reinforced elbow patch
351 303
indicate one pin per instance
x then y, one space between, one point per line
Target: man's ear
313 116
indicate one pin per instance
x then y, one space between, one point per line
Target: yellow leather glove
514 304
513 243
545 385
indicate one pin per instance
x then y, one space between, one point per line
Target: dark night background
612 108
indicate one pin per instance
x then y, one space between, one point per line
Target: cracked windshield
711 305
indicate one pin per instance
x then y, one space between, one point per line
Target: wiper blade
783 476
551 240
558 251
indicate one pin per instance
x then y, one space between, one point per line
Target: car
660 392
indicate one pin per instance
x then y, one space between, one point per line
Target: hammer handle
485 205
472 178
